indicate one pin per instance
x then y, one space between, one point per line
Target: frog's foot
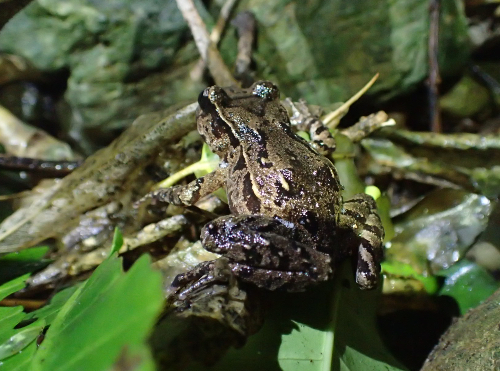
198 281
166 195
360 216
189 194
267 252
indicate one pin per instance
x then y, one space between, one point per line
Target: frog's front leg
321 138
189 194
359 216
267 252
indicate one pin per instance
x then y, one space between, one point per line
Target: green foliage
18 263
49 312
468 283
331 327
92 326
11 340
117 241
407 271
208 163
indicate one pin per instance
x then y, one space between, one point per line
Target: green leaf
20 338
49 312
15 264
21 361
32 254
468 283
9 317
13 340
117 241
330 327
407 271
207 163
12 286
110 312
358 345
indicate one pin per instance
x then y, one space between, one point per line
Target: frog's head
228 117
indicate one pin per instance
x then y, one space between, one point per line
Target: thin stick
28 304
339 112
224 14
197 72
195 23
15 195
206 48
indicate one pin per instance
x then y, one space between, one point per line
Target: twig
27 304
434 79
339 112
487 81
14 196
197 72
195 23
207 49
224 14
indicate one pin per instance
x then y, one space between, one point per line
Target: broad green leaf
32 254
13 340
49 312
9 317
20 338
12 286
17 263
468 283
21 361
438 230
111 311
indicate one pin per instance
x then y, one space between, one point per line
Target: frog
289 226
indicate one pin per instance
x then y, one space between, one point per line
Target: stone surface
472 342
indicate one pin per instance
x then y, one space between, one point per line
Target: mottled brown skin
289 225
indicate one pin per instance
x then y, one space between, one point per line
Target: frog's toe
368 267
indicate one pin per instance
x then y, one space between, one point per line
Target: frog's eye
266 90
204 101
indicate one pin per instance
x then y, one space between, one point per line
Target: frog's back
287 179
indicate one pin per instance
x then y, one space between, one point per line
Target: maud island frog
289 225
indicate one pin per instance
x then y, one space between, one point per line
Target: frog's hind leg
359 215
267 252
272 280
